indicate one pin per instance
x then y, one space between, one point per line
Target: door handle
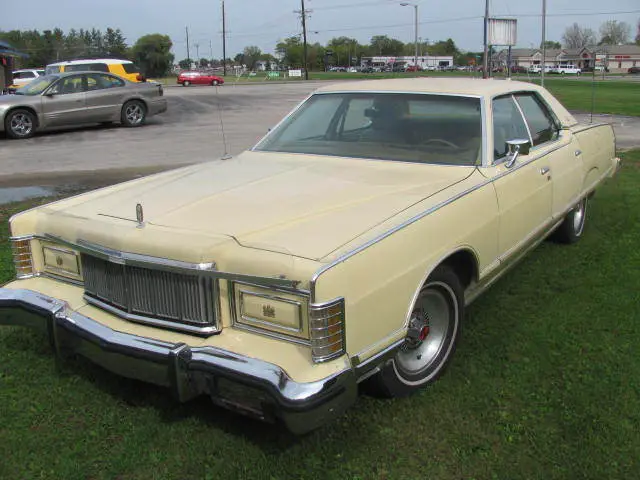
577 153
544 170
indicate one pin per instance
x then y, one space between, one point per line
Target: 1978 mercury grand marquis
343 247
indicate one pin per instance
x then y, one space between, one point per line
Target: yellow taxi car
123 68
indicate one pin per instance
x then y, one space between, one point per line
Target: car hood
306 206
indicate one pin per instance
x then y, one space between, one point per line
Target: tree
153 54
115 44
290 51
185 64
576 36
383 45
251 55
551 45
638 34
447 47
613 32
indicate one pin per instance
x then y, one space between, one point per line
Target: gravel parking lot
189 132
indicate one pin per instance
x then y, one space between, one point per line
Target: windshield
37 86
443 129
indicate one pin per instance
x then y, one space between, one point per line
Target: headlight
61 261
270 311
22 256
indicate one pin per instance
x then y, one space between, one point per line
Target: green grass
545 384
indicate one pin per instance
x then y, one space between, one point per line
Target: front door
524 191
64 102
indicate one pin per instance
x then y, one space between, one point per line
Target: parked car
23 77
538 69
78 98
122 68
344 247
634 70
518 69
367 70
413 68
198 78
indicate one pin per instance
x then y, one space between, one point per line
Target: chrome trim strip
187 370
524 119
156 322
159 263
345 256
578 128
508 263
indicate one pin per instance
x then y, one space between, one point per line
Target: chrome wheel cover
579 216
438 307
21 124
134 114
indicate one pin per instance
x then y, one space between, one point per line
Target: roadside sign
295 73
273 74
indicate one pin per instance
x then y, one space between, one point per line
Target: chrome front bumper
251 386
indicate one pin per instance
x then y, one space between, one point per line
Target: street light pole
415 8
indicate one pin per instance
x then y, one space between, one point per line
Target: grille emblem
139 214
59 260
268 311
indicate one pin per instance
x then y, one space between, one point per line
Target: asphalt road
189 132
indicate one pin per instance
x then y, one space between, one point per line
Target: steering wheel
441 141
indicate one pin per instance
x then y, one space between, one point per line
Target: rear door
65 102
105 94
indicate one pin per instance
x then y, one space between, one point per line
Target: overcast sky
264 22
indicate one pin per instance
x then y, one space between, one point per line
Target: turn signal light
327 328
22 257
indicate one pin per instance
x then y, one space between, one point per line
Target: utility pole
544 39
197 52
303 13
186 29
224 41
485 59
210 52
416 36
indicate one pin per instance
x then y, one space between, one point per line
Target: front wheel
215 83
20 124
572 227
133 114
186 83
432 334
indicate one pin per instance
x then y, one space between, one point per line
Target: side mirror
516 147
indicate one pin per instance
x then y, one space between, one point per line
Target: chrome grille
140 294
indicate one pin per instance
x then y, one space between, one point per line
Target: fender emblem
139 215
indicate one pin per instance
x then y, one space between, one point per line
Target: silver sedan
78 98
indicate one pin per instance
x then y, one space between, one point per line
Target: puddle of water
16 194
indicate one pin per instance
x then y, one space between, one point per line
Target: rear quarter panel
597 143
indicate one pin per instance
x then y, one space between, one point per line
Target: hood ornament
139 215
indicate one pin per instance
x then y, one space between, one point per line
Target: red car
199 78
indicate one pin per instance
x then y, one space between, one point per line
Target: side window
96 81
87 67
356 115
508 124
541 124
68 85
